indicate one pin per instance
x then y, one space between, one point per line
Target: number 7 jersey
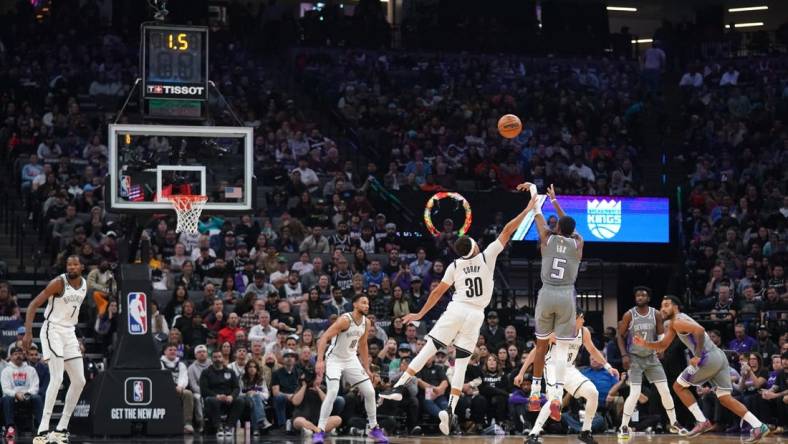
63 310
473 278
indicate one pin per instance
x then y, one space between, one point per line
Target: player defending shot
646 322
348 336
708 364
472 278
555 304
576 383
64 295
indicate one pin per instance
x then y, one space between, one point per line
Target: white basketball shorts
59 342
459 325
350 369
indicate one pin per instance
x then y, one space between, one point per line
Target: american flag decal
136 194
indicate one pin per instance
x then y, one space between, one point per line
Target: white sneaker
445 424
42 438
57 437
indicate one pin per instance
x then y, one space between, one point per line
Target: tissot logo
138 391
176 90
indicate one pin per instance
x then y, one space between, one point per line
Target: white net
188 208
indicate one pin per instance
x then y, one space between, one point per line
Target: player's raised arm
660 345
342 323
511 227
595 353
433 299
541 223
54 288
554 201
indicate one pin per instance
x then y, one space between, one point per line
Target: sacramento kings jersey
689 340
63 311
473 278
574 349
345 345
645 327
559 261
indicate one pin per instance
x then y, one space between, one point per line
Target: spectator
238 366
742 343
41 367
254 388
20 386
260 287
601 378
194 372
494 390
432 380
766 347
219 390
227 334
307 401
180 377
492 332
284 384
315 243
263 331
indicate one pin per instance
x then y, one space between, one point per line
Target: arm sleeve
493 250
448 275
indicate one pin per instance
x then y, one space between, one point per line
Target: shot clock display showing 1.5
175 61
175 56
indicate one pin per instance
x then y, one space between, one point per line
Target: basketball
509 126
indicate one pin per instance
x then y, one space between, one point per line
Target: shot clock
175 70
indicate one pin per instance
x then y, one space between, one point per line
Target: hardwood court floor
550 439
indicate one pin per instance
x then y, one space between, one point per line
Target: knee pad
461 353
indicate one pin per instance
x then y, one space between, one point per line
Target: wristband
553 201
608 366
537 210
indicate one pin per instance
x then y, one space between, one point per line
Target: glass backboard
149 163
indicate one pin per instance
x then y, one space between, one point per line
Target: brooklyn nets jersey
645 327
473 278
574 349
63 311
559 261
344 346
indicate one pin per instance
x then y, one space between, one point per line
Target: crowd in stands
247 297
736 144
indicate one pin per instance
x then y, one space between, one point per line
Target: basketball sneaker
319 437
534 403
378 436
532 439
41 438
445 417
395 394
555 410
59 437
700 428
758 433
624 433
677 428
586 437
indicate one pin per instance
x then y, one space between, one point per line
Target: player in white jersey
576 383
64 295
472 278
348 336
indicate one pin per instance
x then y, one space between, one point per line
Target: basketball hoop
188 207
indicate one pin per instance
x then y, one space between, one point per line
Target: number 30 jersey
63 310
473 278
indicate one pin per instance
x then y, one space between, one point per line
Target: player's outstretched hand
518 380
525 186
320 368
27 340
551 192
410 317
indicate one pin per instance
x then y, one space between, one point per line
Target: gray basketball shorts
713 369
648 365
555 312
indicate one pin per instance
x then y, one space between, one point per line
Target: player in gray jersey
645 322
562 252
707 365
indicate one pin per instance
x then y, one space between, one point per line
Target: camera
309 376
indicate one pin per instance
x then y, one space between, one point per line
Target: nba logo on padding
138 391
604 218
138 313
